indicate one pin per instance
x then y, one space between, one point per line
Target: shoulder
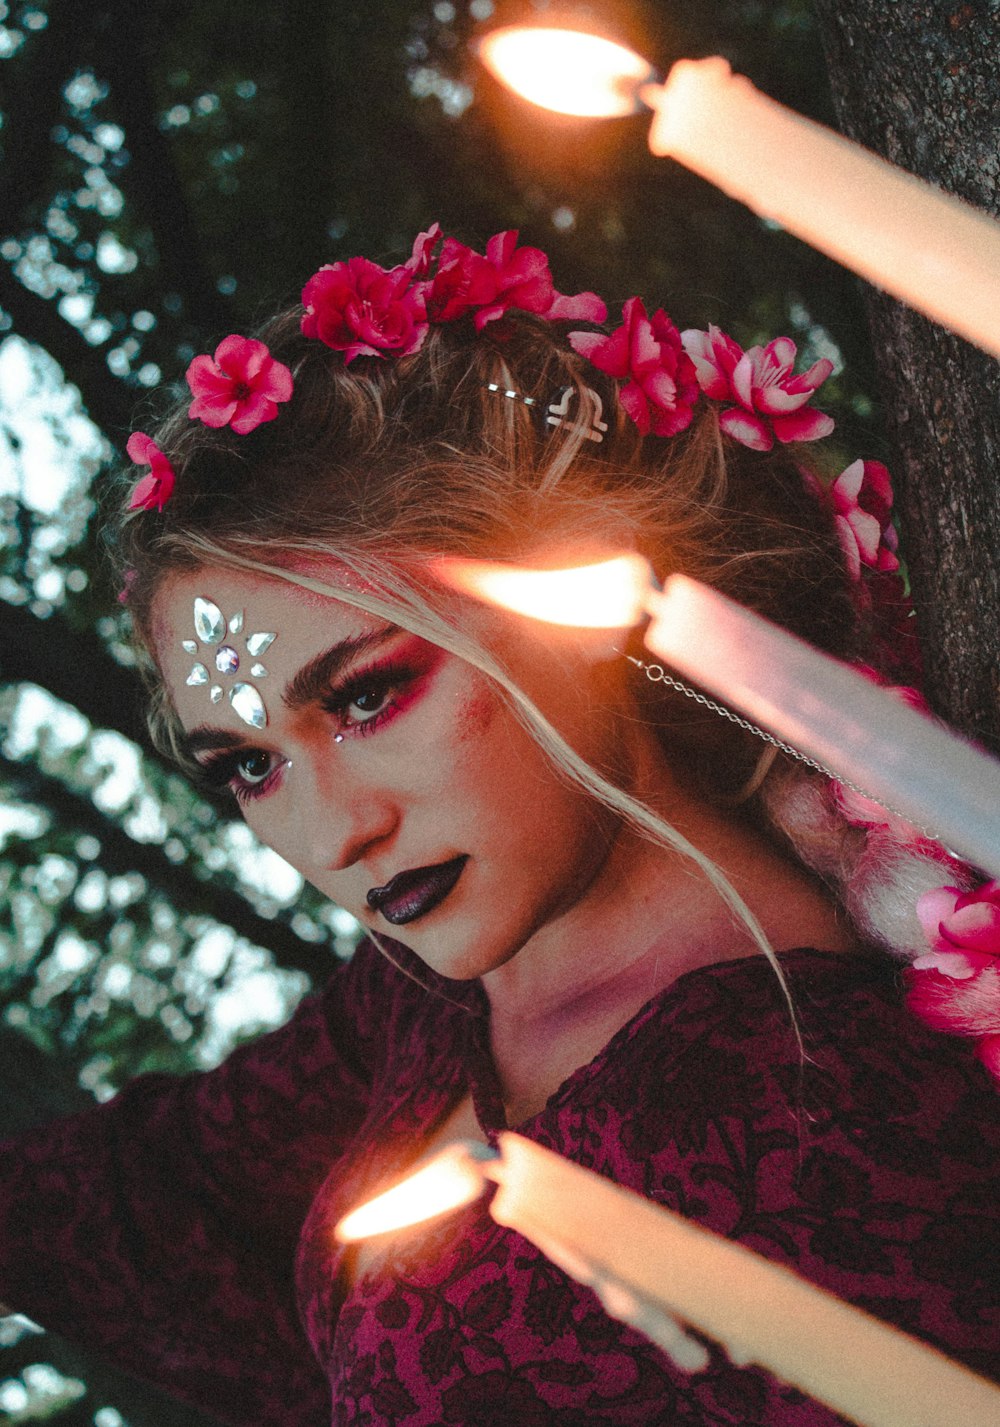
719 1056
836 1033
865 1154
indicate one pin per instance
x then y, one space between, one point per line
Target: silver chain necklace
656 674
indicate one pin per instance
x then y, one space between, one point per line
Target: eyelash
224 769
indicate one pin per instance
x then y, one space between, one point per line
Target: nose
334 820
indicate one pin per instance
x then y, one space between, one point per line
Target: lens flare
451 1179
567 70
608 595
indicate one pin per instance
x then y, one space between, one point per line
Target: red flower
420 260
522 280
770 401
464 281
154 490
662 386
862 501
240 387
361 309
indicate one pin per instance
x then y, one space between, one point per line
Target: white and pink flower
956 985
861 497
767 400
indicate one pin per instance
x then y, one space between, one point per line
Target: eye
247 773
370 702
362 704
253 767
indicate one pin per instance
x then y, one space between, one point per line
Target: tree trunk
918 83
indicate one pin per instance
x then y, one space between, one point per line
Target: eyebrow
311 683
313 680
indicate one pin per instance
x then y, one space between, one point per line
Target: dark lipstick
413 894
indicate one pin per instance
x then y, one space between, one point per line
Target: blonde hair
380 467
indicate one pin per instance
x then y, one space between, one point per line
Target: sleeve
160 1229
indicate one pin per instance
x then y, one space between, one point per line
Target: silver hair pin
214 630
511 395
590 422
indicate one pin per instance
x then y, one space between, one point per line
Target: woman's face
388 772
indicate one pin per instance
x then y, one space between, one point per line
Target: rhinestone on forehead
211 627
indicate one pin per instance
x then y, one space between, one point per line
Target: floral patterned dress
184 1229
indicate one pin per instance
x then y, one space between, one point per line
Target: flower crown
364 310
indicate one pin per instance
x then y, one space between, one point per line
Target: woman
589 902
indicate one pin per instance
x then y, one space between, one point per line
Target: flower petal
806 425
252 413
932 909
847 487
747 429
141 448
633 399
215 410
975 926
584 307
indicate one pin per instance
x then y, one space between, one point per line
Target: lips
414 893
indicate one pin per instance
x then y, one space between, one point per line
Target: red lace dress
164 1228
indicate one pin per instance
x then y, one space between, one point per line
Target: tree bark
917 81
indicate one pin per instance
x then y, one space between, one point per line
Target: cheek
477 714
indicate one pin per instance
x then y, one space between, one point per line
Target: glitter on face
211 626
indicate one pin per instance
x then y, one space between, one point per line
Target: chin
461 957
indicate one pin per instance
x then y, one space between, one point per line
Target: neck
649 915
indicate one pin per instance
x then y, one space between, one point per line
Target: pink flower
769 400
154 490
523 281
661 387
420 260
240 387
956 986
128 580
360 309
862 501
963 923
464 281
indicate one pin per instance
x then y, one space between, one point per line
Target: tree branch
121 854
150 177
108 402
